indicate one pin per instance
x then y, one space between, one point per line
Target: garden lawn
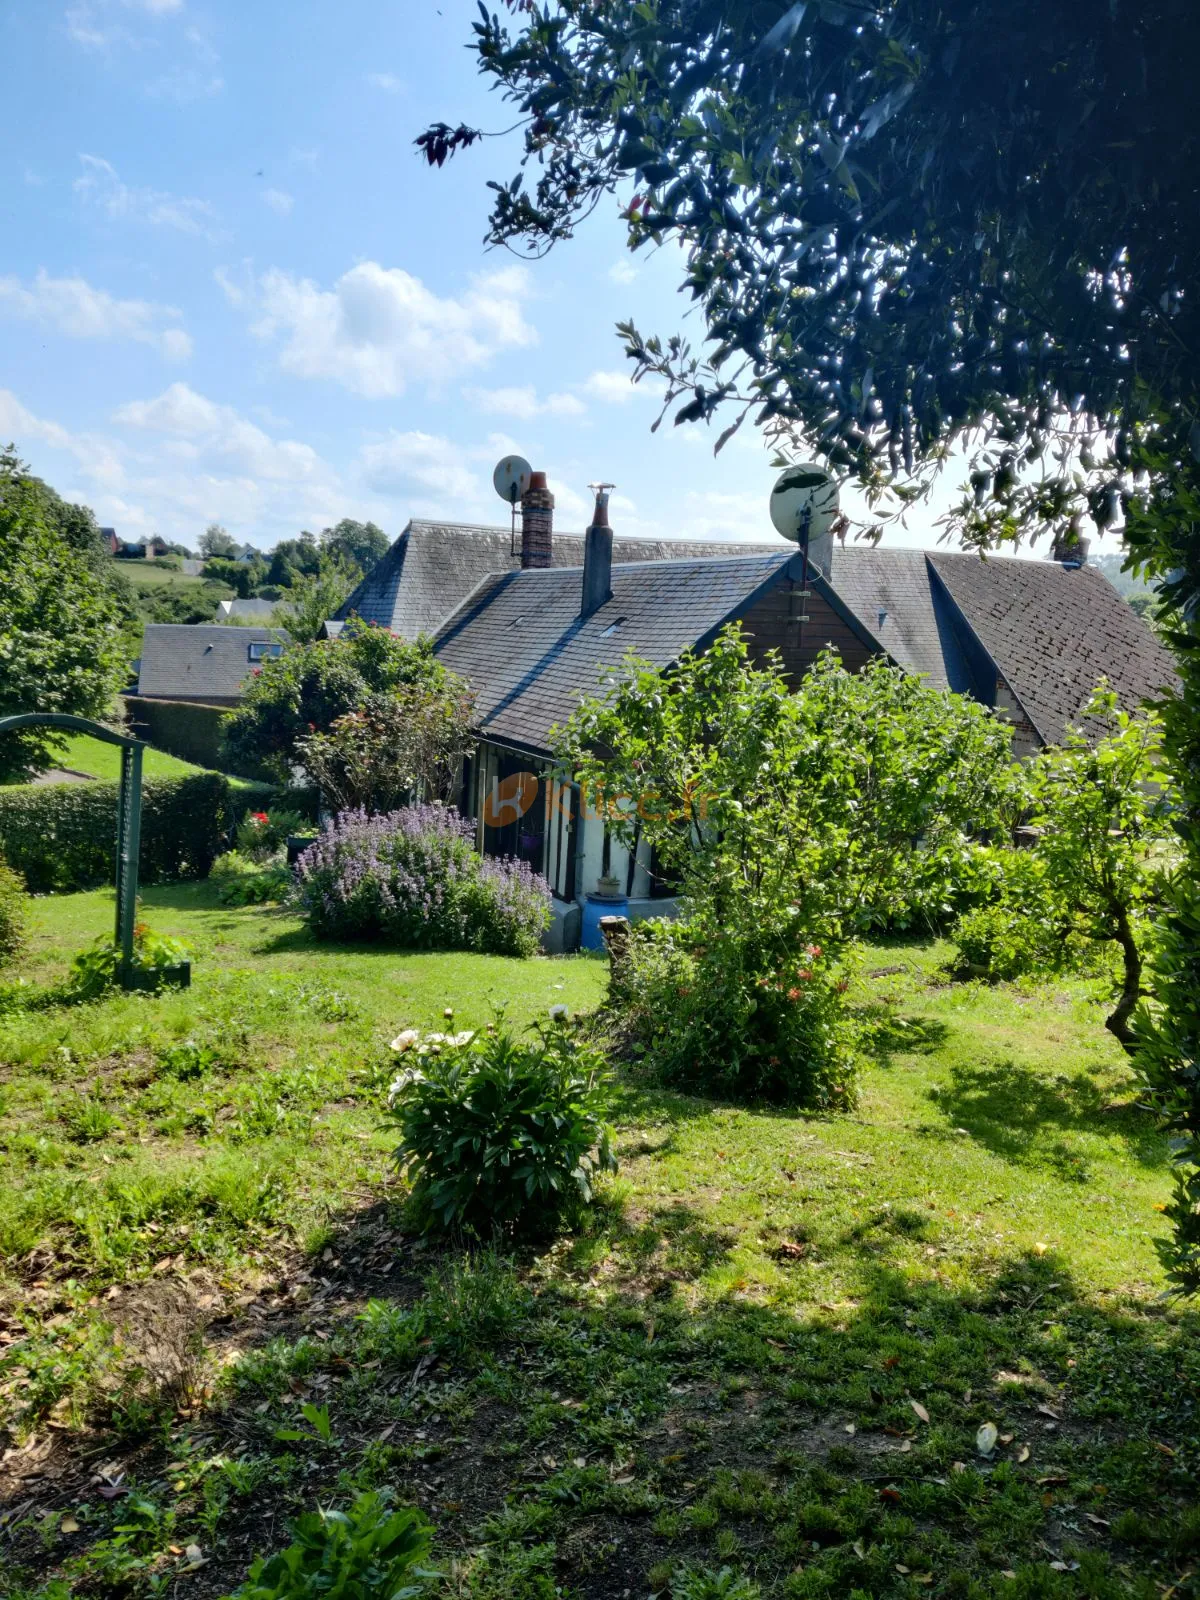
95 759
771 1350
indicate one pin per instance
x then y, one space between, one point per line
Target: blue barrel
595 907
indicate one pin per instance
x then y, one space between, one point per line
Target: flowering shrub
499 1131
261 833
721 1017
414 879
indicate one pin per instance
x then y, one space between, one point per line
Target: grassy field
769 1354
152 575
99 760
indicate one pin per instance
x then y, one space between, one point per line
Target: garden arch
129 813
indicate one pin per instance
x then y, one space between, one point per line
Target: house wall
1026 739
774 624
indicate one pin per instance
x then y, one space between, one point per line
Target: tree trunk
1118 1023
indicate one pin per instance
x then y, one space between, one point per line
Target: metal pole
129 839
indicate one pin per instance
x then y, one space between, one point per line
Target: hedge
182 728
62 836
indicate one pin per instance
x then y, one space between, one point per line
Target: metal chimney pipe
537 523
597 554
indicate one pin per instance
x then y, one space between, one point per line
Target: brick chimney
537 523
597 554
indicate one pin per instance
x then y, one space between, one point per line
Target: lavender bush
414 879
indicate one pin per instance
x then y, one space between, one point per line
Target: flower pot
151 979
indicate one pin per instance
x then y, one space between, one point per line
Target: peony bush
498 1131
413 878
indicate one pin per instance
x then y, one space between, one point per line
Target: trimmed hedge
182 728
62 836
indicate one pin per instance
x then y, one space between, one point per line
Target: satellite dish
804 502
511 478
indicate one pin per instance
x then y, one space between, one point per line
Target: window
612 627
263 650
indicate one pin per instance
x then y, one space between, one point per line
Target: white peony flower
558 1013
405 1041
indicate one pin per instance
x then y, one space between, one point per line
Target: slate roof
891 593
1050 630
1053 631
434 566
520 641
199 661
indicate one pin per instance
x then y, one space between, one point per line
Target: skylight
613 626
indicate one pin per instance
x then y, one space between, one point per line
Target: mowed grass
100 760
770 1351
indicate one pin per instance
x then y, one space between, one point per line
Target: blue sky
230 291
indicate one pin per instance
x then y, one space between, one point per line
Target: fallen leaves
919 1409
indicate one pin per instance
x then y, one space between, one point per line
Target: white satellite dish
511 478
804 502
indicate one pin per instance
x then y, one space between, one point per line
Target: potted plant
158 962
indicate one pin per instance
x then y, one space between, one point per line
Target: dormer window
264 650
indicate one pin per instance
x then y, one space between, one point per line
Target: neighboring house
249 610
1030 638
137 550
203 662
433 566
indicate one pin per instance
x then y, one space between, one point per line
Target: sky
230 291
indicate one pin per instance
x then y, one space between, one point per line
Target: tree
291 557
216 541
61 643
403 745
243 577
1104 809
912 225
361 544
314 597
309 687
792 815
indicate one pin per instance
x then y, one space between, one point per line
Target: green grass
102 761
731 1367
151 575
99 760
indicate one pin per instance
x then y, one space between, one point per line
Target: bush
12 913
180 727
718 1018
497 1131
61 836
414 879
261 834
366 1552
244 881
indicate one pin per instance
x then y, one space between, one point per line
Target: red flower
260 816
804 973
793 994
814 950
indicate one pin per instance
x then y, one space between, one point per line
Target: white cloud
200 428
379 328
72 307
388 82
96 458
280 201
613 388
623 271
522 403
98 24
101 186
426 466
